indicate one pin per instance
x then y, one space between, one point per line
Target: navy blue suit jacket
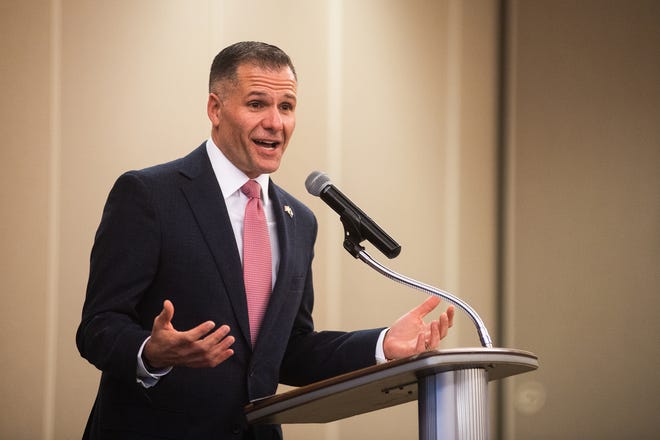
165 234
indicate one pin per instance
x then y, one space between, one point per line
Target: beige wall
26 235
583 214
390 92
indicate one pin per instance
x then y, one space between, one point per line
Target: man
171 238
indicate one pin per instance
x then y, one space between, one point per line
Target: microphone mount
352 235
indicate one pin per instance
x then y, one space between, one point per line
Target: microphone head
316 182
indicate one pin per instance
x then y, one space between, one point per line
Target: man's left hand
411 335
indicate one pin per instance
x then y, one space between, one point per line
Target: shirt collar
229 177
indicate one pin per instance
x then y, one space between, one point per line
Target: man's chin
263 169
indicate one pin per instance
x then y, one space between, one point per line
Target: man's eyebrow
258 94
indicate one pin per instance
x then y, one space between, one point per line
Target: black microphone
357 224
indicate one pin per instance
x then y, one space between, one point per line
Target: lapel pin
288 210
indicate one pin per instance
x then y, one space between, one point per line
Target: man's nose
272 119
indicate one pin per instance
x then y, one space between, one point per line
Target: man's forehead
252 76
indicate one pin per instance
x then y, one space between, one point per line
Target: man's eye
255 104
286 107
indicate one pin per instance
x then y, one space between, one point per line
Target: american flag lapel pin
288 210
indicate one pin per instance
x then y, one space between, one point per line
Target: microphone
358 226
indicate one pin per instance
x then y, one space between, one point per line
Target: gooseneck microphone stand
484 337
352 240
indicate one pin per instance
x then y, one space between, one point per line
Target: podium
451 387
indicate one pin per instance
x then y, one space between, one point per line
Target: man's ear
213 107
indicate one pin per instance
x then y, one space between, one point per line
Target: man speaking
200 291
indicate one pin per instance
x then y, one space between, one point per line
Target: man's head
251 105
260 54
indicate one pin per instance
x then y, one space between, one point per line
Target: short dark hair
264 55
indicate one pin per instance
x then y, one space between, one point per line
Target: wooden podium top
382 386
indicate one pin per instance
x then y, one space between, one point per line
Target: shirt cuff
145 377
380 350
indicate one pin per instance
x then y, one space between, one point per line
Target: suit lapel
207 203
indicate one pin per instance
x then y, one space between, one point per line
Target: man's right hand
194 348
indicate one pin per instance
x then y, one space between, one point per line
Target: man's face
253 119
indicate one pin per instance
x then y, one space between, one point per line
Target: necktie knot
252 189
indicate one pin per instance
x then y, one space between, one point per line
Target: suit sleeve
123 263
312 356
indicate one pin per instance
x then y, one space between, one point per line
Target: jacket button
236 429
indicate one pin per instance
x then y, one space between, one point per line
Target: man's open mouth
266 143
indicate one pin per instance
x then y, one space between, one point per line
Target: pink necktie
256 257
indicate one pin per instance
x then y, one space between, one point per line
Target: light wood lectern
451 387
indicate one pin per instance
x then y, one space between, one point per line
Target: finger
168 311
215 354
225 343
165 316
217 336
426 307
443 325
198 332
450 316
421 344
226 354
221 356
210 360
434 341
